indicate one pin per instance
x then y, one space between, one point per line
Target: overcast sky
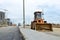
51 10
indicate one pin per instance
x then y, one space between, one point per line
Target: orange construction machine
39 23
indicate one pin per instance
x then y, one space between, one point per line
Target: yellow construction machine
39 24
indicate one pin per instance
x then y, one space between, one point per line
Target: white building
2 16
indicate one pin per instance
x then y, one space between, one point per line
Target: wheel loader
39 24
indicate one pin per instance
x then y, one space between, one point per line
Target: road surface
10 33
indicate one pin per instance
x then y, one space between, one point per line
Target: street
10 33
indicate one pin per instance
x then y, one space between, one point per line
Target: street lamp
24 13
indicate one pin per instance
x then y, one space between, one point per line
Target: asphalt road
10 33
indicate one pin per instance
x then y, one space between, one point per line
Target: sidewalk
35 35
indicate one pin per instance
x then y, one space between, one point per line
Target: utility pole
24 13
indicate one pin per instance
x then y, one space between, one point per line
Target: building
3 20
2 16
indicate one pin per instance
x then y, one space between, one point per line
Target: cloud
14 8
51 9
1 1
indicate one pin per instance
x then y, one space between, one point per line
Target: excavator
39 24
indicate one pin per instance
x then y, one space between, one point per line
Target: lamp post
24 13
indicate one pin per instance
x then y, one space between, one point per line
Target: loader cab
38 16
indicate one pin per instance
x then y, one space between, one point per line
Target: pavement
10 33
30 34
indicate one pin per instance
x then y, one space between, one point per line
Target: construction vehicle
39 23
